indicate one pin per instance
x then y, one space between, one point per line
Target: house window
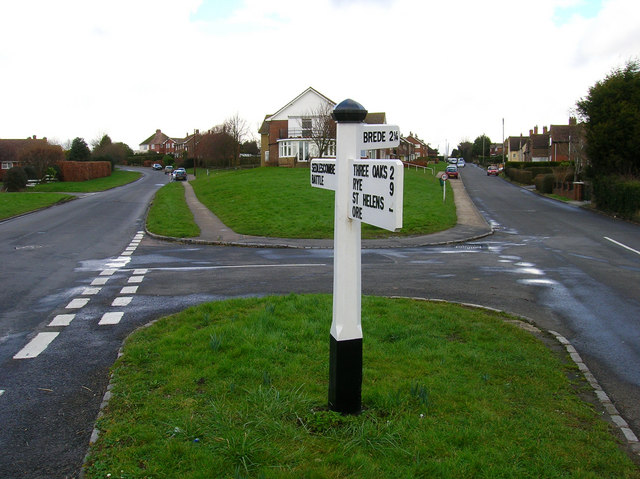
306 127
286 149
6 165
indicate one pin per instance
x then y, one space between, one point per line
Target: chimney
544 130
34 137
530 132
158 130
535 130
572 121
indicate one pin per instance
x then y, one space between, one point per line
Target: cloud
447 70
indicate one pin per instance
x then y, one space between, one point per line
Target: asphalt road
547 261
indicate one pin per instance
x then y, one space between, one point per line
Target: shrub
31 172
15 179
618 195
521 176
544 183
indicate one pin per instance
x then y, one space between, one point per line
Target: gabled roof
540 141
517 142
296 99
376 118
157 138
560 133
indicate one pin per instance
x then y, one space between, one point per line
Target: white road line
111 318
122 301
126 253
135 279
140 271
90 291
77 303
623 245
99 281
1 392
129 290
108 272
62 320
36 346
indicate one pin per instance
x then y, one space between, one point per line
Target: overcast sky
448 70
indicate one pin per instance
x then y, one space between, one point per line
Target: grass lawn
239 388
12 204
280 202
169 214
117 178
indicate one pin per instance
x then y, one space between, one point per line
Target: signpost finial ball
349 111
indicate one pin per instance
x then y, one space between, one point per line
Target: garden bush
521 176
15 179
544 183
620 196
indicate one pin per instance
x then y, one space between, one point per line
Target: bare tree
237 129
323 128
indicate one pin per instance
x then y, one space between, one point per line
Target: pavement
471 225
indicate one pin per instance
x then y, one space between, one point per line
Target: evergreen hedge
620 196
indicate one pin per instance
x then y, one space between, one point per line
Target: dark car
180 174
452 171
492 170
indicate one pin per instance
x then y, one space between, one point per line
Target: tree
323 128
237 129
79 150
217 147
116 153
611 112
40 156
465 149
481 147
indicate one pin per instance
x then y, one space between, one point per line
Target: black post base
345 376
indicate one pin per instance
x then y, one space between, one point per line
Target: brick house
287 136
515 147
421 149
159 143
565 141
10 150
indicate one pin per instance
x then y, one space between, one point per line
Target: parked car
157 166
168 169
461 163
492 170
180 174
453 161
452 171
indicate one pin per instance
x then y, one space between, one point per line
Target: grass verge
239 389
280 202
117 178
13 204
169 214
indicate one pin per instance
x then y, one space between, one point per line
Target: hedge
521 176
544 183
618 196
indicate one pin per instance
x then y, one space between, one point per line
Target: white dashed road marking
77 303
36 345
62 320
111 318
122 301
42 340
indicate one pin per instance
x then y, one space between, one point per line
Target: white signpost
369 191
377 188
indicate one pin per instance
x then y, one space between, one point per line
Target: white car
461 163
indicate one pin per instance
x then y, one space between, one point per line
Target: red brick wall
275 127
